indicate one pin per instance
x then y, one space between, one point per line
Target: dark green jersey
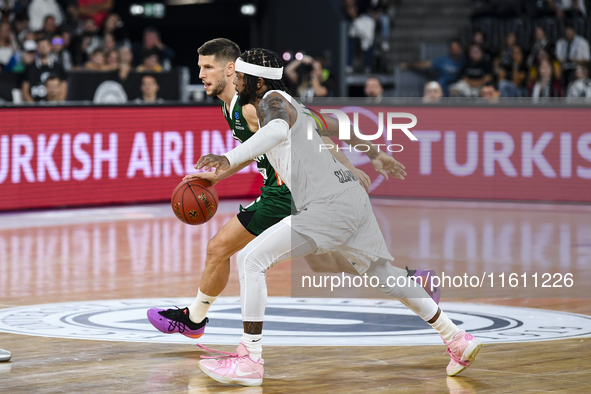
241 132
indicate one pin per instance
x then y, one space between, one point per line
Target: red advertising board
52 157
536 154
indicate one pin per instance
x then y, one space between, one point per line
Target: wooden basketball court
145 252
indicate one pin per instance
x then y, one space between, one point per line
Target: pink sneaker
463 350
234 368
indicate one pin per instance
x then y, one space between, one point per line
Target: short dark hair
492 84
97 50
454 40
151 29
265 58
53 76
146 53
223 49
43 37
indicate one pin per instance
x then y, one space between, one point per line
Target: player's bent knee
250 261
218 251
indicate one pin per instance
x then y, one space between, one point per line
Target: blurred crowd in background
42 40
545 55
549 65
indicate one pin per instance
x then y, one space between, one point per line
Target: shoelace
172 324
456 359
223 361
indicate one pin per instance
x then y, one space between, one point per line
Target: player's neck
228 93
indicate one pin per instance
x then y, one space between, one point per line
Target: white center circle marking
294 322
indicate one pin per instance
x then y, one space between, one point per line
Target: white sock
445 327
254 345
199 308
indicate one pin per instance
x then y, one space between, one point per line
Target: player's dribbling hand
363 179
386 164
208 176
209 161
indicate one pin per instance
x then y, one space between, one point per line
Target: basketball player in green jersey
216 62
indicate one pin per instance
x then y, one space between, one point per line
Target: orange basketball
194 201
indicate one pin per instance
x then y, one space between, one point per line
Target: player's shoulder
249 111
274 99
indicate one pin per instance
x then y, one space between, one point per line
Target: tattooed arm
274 113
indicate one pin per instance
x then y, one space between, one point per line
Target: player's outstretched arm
382 162
275 120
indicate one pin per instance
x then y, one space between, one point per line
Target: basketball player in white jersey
216 62
334 214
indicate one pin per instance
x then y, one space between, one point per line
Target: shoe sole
191 336
469 354
155 325
221 379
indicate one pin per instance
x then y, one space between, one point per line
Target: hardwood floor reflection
145 252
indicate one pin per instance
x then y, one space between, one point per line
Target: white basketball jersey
308 172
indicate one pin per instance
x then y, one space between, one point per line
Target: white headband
258 71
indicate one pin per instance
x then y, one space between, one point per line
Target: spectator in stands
570 50
71 14
541 42
152 42
40 9
479 38
125 62
546 85
506 54
513 77
97 61
97 10
309 77
475 73
53 86
59 47
109 43
49 26
581 86
33 88
20 60
490 93
544 54
20 27
113 25
448 68
149 91
113 60
432 92
91 30
373 89
8 45
84 44
568 9
362 27
150 62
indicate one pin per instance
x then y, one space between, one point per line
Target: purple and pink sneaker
177 320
